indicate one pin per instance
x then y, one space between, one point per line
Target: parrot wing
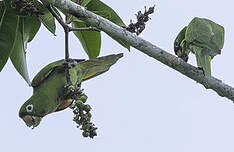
45 72
199 32
218 38
206 34
98 66
90 68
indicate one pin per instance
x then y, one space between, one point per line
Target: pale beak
33 121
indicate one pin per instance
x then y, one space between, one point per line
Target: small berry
85 134
83 98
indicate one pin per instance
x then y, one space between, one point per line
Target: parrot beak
33 121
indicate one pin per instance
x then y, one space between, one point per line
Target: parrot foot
184 57
71 92
201 69
68 64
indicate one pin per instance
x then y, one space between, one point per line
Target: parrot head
28 116
33 110
180 44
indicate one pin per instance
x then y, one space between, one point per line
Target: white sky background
139 104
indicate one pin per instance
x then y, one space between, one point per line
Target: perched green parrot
202 37
50 83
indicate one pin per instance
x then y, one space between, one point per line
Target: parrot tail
203 61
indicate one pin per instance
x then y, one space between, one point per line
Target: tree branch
84 29
144 46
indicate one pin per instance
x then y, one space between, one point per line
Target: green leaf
18 55
28 27
90 40
103 10
47 18
85 2
2 10
8 28
31 25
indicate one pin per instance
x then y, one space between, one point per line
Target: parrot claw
70 63
70 92
201 69
184 57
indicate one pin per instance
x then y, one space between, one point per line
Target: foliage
19 26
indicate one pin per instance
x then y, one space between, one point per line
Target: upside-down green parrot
48 86
202 37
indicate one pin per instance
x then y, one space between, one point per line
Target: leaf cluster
17 29
20 24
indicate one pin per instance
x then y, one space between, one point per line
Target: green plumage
48 86
180 45
202 37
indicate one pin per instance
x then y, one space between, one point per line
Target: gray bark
144 46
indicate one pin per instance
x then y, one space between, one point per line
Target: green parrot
50 83
202 37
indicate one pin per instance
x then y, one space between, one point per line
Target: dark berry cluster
142 18
26 8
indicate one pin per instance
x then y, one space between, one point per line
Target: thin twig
66 31
66 44
144 46
68 28
65 27
84 29
58 18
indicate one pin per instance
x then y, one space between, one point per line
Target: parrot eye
29 108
